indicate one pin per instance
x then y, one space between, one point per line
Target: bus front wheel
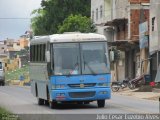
52 104
101 103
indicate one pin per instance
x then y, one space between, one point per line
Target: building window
101 11
153 23
92 16
97 14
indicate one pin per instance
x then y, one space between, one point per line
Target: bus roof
68 37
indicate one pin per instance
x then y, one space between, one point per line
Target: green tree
77 23
53 12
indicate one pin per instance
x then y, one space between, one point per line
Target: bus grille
79 85
81 94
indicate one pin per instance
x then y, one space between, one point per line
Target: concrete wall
120 9
3 48
154 34
16 46
154 43
95 5
106 13
23 42
108 10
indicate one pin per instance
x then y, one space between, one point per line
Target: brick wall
138 1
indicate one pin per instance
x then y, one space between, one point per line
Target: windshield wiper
92 71
85 63
75 66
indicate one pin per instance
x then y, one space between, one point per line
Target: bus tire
46 102
101 103
80 102
86 102
52 104
36 90
40 101
3 83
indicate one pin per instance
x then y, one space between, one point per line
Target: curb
156 90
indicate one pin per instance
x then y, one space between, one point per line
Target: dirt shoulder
142 95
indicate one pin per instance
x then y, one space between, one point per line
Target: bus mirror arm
48 56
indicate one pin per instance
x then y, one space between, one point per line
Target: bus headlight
60 86
103 84
103 92
57 86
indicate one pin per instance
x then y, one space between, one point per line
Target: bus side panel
39 89
42 93
33 88
81 88
39 78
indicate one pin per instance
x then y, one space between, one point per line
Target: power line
25 18
122 8
14 18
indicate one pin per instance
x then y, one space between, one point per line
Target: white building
105 14
154 36
103 11
119 21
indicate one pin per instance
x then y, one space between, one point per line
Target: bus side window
43 52
0 65
47 56
39 53
31 52
34 53
52 59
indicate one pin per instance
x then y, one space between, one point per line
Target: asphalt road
19 100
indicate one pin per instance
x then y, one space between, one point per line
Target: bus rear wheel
2 83
101 103
40 101
46 102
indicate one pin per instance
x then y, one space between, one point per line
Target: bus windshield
93 58
80 58
66 59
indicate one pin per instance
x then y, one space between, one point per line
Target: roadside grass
15 74
6 115
3 111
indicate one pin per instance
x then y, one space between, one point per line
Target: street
75 50
19 100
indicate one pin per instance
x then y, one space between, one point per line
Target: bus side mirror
111 54
48 57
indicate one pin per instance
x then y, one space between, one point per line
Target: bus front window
93 58
66 59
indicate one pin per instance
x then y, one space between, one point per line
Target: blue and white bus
70 67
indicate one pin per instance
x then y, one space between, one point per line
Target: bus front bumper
81 94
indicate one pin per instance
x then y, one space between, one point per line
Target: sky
13 28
